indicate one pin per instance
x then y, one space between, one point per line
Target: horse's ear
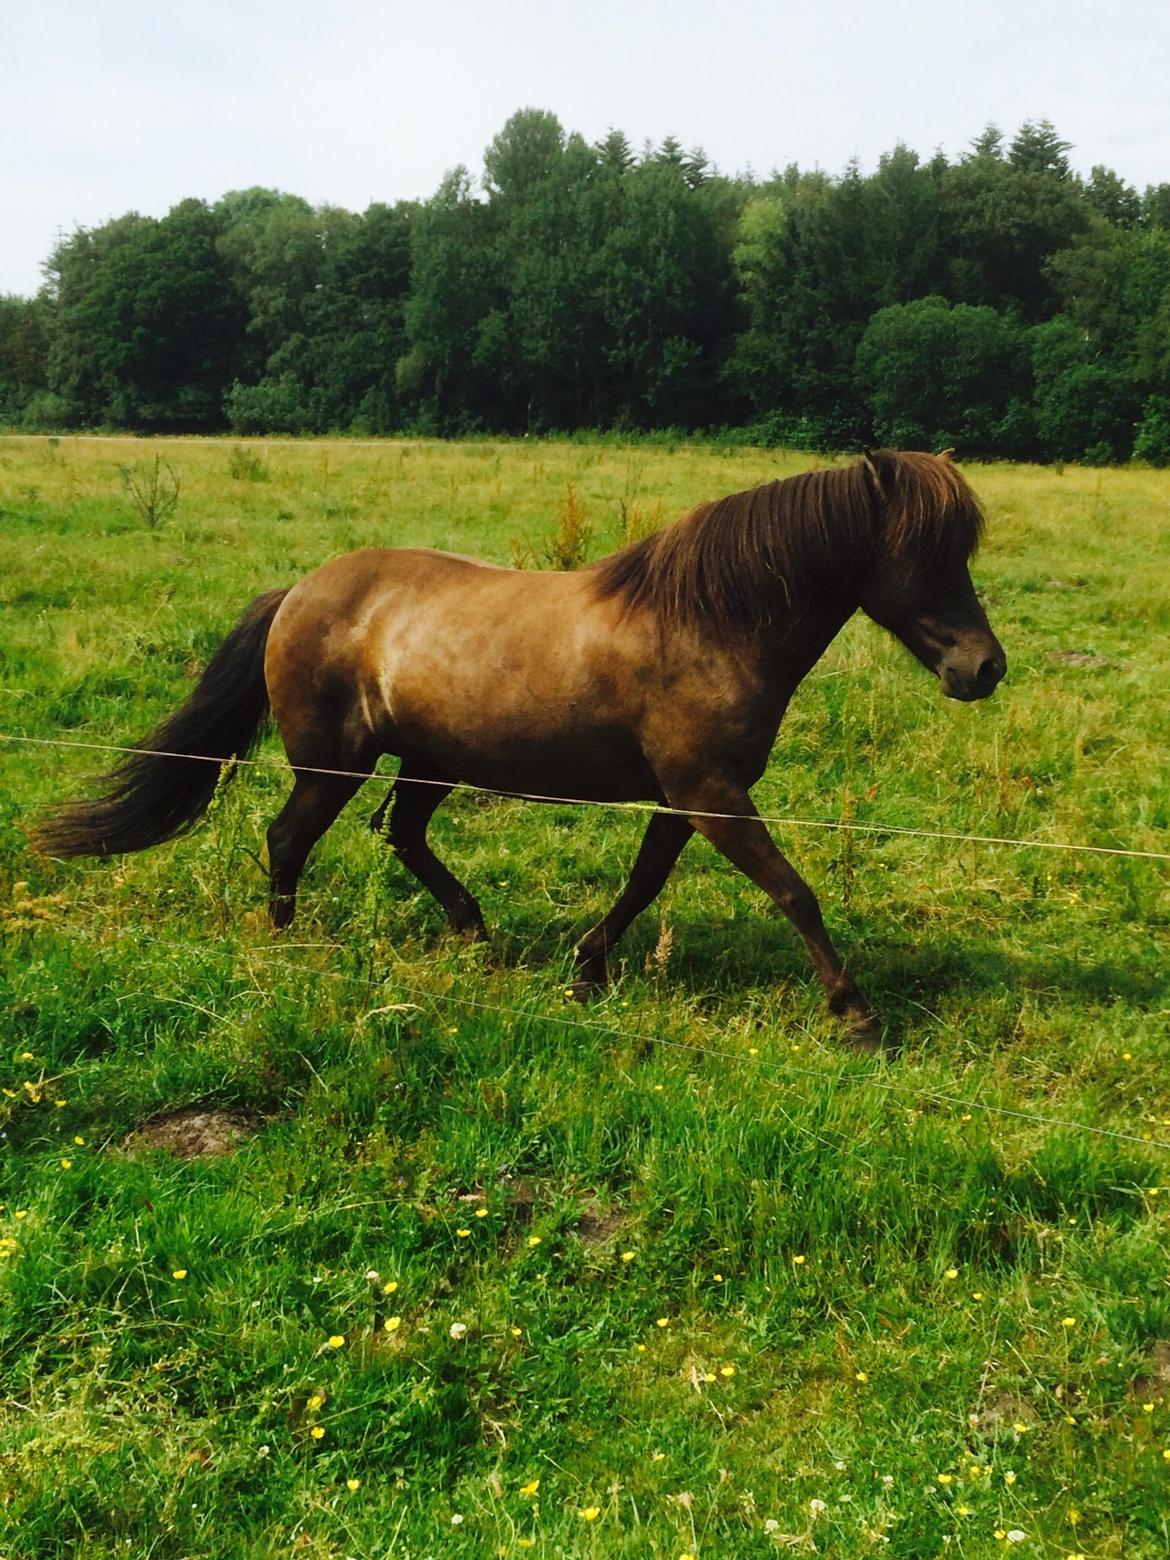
880 465
947 455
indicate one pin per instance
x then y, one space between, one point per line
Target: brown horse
659 674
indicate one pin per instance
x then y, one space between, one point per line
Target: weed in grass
153 488
565 548
247 465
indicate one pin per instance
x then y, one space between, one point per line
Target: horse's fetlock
844 997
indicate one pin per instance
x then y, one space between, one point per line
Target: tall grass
673 1276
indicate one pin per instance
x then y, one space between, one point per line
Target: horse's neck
796 639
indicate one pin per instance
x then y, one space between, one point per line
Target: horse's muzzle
968 683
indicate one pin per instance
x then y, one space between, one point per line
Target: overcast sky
109 106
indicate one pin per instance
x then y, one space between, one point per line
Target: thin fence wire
780 820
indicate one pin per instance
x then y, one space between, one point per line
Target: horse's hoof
470 931
584 990
865 1035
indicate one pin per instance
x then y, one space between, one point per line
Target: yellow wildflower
463 1234
353 1484
530 1488
534 1240
337 1341
589 1513
317 1432
628 1256
179 1273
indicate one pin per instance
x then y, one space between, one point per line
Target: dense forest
999 303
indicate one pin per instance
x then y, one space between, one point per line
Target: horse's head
928 525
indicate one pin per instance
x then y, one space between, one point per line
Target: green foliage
586 287
24 349
147 327
273 405
940 375
1083 404
1152 440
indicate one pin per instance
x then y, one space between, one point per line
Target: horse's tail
157 793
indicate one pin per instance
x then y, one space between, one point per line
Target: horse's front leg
737 832
665 837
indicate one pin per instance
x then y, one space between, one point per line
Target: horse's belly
538 753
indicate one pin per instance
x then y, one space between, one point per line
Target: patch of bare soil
597 1227
1156 1381
194 1132
1081 658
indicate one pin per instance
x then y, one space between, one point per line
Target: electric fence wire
782 821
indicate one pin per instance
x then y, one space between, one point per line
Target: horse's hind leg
417 793
664 839
315 802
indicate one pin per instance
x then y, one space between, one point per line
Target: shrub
275 405
1152 439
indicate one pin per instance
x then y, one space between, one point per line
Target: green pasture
674 1275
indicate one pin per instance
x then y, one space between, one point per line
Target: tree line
998 303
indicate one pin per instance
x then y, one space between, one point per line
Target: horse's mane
730 563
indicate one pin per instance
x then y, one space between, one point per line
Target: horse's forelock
928 505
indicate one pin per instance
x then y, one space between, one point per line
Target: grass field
674 1276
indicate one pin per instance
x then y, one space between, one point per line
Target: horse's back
485 672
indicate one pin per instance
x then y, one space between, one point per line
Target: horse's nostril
989 673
